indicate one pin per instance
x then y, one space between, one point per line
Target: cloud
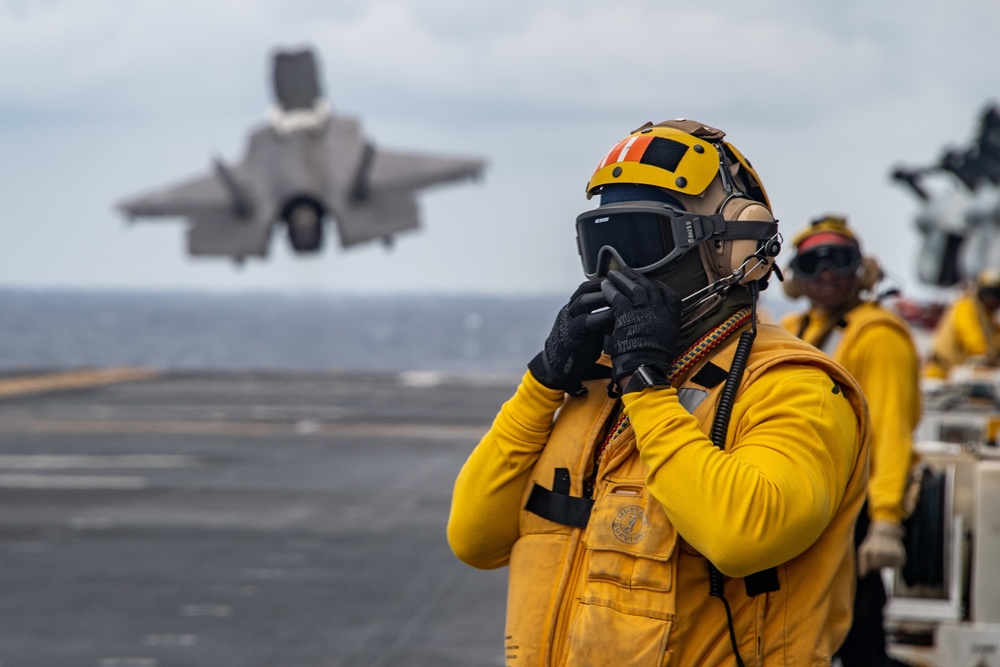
597 57
152 53
104 99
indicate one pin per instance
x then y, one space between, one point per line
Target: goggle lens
839 259
640 239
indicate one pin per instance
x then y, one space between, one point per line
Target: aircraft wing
381 215
223 218
225 234
381 200
399 170
202 194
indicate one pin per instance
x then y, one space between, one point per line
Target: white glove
882 547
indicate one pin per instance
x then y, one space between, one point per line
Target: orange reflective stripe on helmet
661 156
621 150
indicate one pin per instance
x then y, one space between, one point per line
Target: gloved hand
882 547
575 342
647 319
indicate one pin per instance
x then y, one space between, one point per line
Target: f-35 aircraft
304 166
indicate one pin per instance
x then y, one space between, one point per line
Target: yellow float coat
876 348
965 330
632 587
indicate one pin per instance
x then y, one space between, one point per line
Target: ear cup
869 273
792 285
732 254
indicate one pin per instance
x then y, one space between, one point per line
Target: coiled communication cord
720 427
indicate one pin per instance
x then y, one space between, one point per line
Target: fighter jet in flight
304 166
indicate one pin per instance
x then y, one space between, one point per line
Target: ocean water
43 330
49 330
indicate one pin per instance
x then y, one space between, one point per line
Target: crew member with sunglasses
968 330
874 344
672 482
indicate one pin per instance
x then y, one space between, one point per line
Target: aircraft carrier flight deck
241 519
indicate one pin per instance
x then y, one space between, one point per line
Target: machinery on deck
944 609
944 605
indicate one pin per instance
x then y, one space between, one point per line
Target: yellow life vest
855 321
893 398
625 588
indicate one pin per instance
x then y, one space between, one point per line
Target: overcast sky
102 100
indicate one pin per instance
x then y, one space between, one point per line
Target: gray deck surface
244 520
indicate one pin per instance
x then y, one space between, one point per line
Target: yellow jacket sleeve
968 329
885 363
486 502
793 445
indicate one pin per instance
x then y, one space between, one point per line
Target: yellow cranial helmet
679 155
825 226
673 188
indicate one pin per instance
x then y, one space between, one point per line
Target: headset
745 260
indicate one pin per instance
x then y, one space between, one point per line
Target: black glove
647 317
576 341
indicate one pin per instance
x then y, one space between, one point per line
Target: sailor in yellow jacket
688 497
968 329
874 344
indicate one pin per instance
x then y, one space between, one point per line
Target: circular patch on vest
630 525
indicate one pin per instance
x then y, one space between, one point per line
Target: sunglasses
838 259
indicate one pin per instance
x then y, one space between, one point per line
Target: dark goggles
838 259
646 235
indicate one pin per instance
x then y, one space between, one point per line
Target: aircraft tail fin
296 80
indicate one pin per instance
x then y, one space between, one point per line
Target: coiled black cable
724 411
720 428
717 589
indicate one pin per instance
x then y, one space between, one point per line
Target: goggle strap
743 230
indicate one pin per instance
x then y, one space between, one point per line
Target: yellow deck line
37 384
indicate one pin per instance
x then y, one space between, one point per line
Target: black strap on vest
803 325
837 319
597 372
765 581
557 505
709 376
